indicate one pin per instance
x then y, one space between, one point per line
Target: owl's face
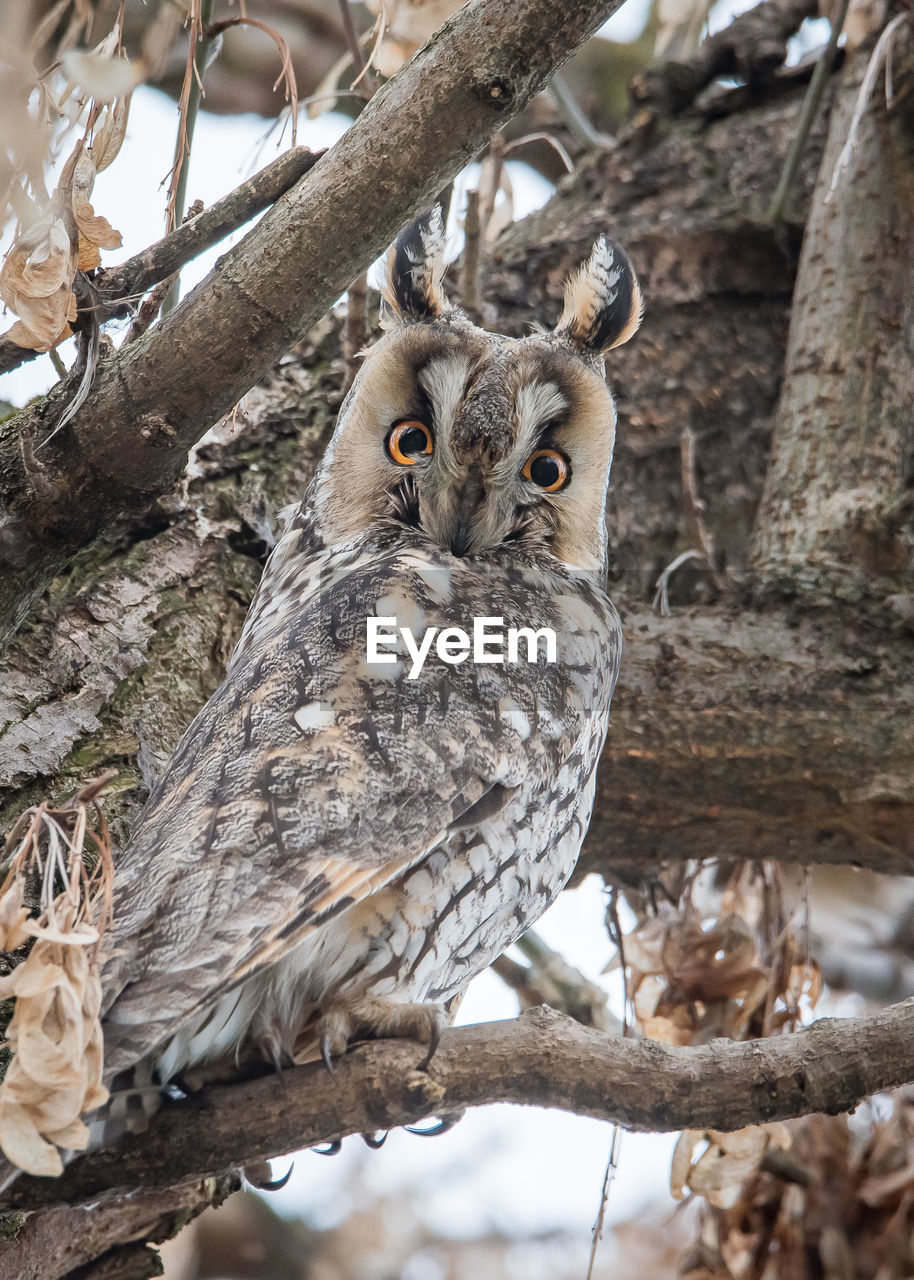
476 439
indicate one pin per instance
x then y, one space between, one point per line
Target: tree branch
152 401
539 1059
192 238
133 277
753 47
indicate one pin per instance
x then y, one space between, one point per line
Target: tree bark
836 515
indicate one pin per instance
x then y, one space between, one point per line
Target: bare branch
539 1059
118 285
154 400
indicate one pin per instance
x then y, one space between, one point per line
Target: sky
518 1170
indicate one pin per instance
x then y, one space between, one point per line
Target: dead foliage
55 904
846 1212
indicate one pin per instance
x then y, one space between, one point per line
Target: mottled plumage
335 849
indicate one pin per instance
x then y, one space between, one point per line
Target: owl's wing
311 779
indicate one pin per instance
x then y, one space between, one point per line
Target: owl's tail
134 1099
8 1175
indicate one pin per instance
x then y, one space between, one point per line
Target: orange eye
548 469
409 441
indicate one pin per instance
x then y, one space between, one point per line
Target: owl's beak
466 502
461 537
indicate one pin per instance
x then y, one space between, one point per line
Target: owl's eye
409 441
548 469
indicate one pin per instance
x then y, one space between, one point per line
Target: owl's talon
258 1175
332 1148
374 1143
444 1125
434 1039
327 1059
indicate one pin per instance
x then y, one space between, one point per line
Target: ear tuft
603 304
413 271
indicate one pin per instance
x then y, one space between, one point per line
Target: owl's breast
427 933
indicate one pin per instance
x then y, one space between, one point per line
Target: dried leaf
21 1142
37 277
682 1161
75 1137
55 1075
29 980
95 231
12 918
110 137
101 76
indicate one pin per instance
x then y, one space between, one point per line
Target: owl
339 844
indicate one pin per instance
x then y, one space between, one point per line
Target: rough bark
110 1241
837 510
129 441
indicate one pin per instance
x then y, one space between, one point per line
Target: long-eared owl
339 844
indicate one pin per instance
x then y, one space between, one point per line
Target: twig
574 118
661 599
490 180
287 70
550 979
810 109
699 534
612 1164
364 77
877 58
191 92
87 361
469 270
355 331
542 136
149 309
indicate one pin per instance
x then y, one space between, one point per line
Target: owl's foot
367 1019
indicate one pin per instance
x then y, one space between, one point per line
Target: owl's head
476 439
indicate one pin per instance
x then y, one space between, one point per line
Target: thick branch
540 1059
160 394
753 47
